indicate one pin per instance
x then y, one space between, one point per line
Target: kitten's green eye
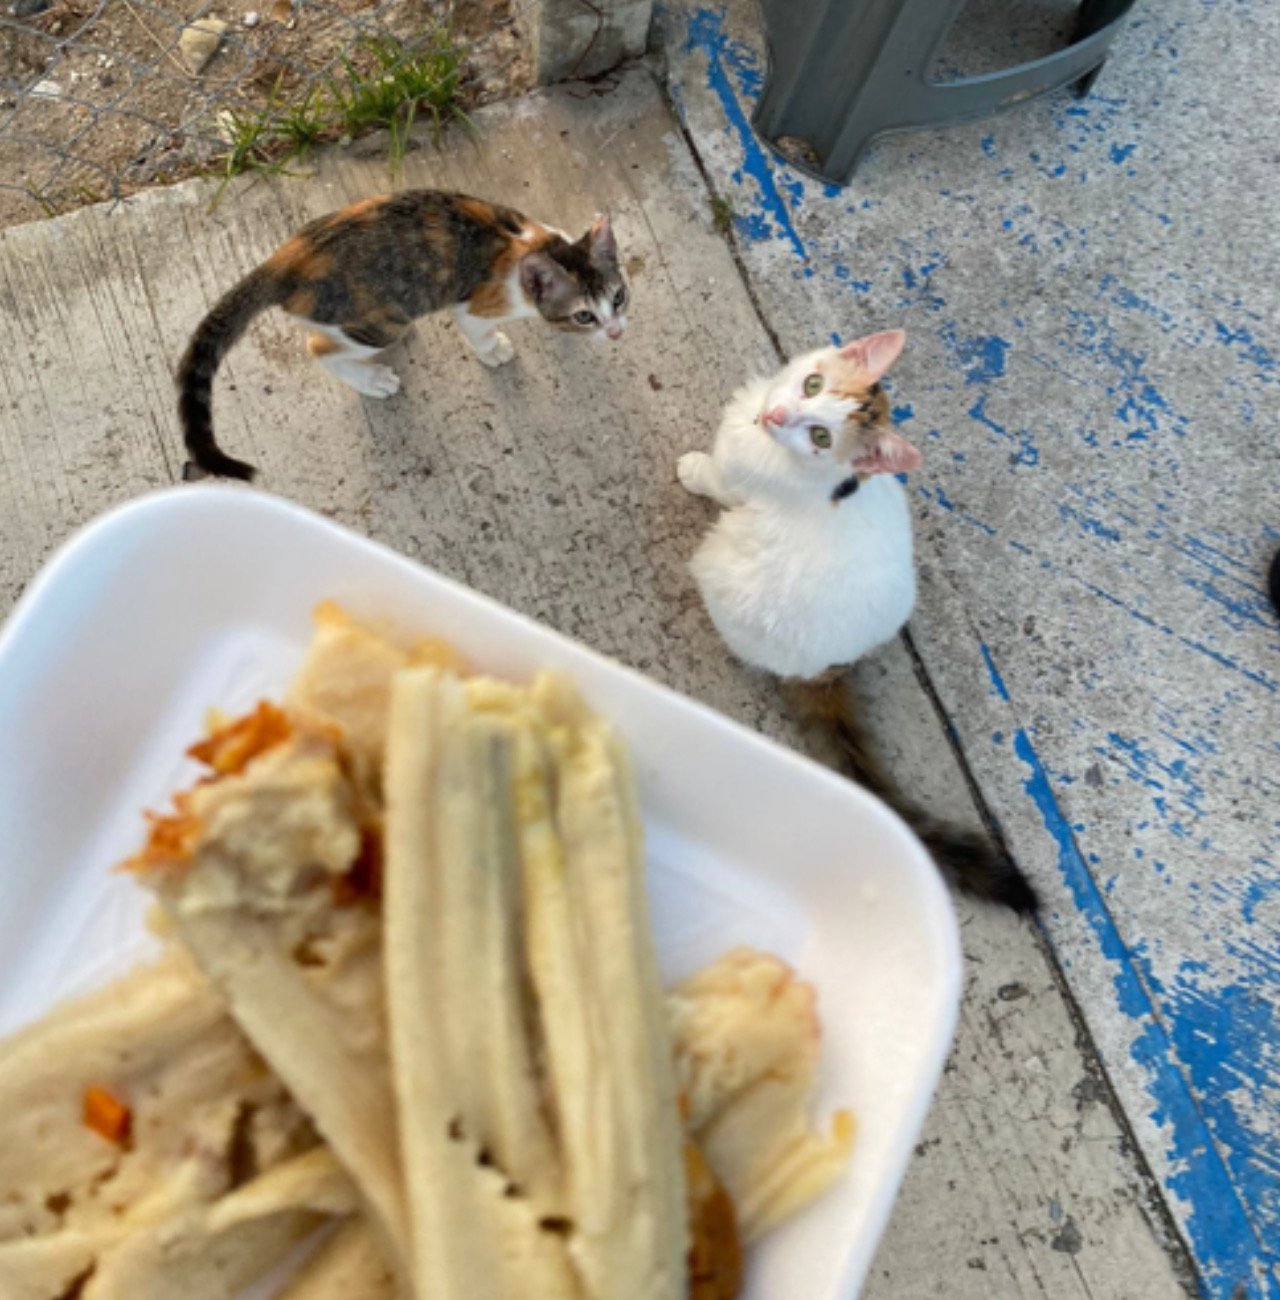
619 300
585 317
813 386
820 437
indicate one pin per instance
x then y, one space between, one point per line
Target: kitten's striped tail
972 862
213 339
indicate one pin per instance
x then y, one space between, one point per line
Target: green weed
46 204
254 146
303 125
721 214
385 84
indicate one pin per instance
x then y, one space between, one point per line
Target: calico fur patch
371 269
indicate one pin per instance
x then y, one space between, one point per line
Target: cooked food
534 1077
424 1003
345 680
146 1151
747 1040
350 1265
256 870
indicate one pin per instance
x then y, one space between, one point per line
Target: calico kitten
810 565
360 277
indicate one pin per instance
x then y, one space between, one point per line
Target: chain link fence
99 98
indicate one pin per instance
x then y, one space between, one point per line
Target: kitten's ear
544 279
886 452
876 353
601 241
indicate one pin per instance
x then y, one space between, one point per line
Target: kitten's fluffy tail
213 339
971 861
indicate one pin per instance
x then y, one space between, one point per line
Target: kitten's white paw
693 471
500 353
375 381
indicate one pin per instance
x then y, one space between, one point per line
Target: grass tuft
46 204
385 84
721 214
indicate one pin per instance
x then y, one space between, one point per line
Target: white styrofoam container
202 596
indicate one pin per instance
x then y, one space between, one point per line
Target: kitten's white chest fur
794 582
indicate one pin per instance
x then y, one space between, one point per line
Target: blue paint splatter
1255 610
1093 526
940 498
1217 1035
706 33
1142 406
1027 454
1130 301
1235 1263
1258 678
845 276
1258 891
1244 342
1120 152
1141 764
983 357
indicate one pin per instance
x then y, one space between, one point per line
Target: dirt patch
96 100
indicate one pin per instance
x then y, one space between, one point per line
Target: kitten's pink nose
614 331
777 416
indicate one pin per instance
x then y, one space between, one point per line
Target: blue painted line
1234 1261
993 673
1207 554
1259 679
705 33
1257 611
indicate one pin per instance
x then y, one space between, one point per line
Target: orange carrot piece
171 841
231 748
228 751
106 1116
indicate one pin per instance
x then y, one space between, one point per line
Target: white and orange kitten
810 566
